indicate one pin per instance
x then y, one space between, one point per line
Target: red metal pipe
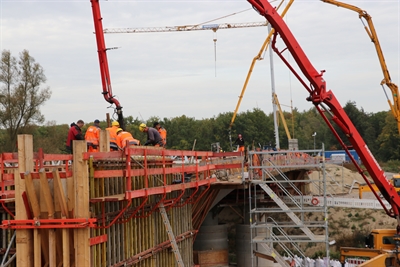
6 209
26 204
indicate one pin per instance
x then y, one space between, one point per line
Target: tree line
379 131
22 93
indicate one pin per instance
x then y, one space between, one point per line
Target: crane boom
276 102
370 29
102 53
187 28
325 102
253 62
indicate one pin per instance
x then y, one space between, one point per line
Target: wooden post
59 191
37 241
104 142
81 190
24 243
44 184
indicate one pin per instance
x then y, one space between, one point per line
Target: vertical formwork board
144 231
24 241
81 192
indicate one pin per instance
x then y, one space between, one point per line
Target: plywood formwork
102 209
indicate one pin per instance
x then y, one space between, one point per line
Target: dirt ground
347 226
341 179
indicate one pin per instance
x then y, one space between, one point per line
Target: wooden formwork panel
128 228
211 258
138 237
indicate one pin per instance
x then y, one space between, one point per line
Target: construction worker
74 133
124 137
153 136
162 132
113 135
240 142
92 137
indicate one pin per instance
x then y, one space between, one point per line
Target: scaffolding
282 222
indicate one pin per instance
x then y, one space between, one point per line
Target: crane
370 29
187 28
276 102
257 57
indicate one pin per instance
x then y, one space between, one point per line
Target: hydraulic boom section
325 99
370 29
104 71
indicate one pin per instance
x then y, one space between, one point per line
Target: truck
332 112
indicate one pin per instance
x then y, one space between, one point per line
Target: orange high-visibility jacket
123 137
163 134
113 133
93 135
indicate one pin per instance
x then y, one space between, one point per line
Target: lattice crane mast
187 28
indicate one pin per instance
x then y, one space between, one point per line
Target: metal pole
314 143
271 60
8 249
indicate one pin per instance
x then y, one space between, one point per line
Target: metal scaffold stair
271 251
171 236
288 211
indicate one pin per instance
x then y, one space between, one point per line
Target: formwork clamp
48 224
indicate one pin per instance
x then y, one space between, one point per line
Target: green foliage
21 95
391 165
318 254
379 131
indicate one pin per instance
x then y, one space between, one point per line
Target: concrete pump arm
104 71
325 99
370 29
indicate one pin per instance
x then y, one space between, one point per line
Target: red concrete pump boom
326 103
104 71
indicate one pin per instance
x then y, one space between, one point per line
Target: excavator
327 104
104 71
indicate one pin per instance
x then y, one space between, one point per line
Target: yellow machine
381 244
380 249
370 29
276 102
257 57
366 188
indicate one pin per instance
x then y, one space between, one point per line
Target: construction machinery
370 29
293 143
253 62
364 188
327 104
104 71
188 28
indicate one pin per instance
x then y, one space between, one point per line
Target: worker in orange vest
113 135
257 162
124 138
162 131
92 137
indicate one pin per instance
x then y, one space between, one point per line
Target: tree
21 94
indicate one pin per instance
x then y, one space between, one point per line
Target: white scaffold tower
281 222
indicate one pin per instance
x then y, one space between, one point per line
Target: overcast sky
174 74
